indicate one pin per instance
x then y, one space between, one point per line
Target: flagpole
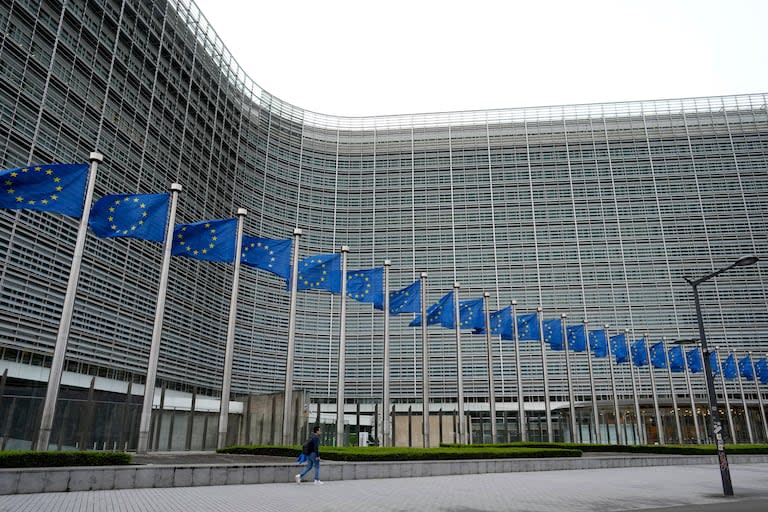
744 401
230 348
521 420
659 425
616 414
759 394
569 378
459 372
288 437
595 412
424 361
157 330
672 391
489 353
547 407
690 396
727 400
385 441
60 350
641 438
342 366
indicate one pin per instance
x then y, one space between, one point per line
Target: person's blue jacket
316 445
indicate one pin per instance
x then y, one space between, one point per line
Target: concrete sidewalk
671 488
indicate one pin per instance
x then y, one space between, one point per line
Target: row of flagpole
451 300
69 189
460 392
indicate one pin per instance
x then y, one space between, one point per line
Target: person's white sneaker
318 482
297 478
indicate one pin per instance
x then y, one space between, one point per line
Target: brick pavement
692 487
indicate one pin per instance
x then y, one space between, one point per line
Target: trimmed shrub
671 449
33 459
264 449
404 454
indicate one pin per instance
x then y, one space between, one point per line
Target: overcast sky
362 57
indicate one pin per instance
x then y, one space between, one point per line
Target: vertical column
659 424
288 437
424 364
616 413
230 348
3 381
757 390
641 437
342 350
595 413
690 396
157 329
385 434
729 413
744 402
60 349
545 376
459 372
489 355
575 436
191 421
521 419
672 392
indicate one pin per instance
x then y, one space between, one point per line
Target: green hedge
264 449
32 459
671 449
395 454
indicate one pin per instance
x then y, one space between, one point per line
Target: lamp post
717 427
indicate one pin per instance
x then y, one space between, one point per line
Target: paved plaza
678 488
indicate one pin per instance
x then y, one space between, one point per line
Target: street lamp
717 427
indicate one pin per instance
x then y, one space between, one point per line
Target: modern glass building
596 211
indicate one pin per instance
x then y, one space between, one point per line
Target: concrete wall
21 481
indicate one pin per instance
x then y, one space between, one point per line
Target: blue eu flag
639 357
730 371
577 340
528 327
320 272
435 311
58 188
405 300
745 368
209 240
658 358
598 343
619 348
761 369
366 285
693 358
471 315
553 334
267 254
501 324
714 364
141 216
676 359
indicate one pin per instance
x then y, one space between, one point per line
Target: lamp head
746 260
686 341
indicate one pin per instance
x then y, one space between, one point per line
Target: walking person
312 450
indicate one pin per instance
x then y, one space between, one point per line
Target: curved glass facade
596 211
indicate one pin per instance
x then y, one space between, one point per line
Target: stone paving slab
673 488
